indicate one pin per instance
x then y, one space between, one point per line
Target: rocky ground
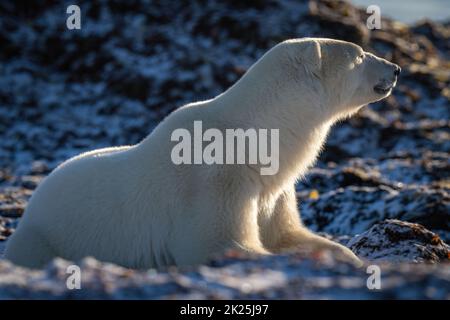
381 186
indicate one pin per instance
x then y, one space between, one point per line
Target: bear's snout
389 80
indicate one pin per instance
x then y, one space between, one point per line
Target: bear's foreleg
283 231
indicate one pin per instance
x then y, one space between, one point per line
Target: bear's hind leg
27 248
245 229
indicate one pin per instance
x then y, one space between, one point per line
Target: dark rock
11 211
352 210
399 241
340 20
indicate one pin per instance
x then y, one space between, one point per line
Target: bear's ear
312 55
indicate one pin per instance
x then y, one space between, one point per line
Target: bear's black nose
397 70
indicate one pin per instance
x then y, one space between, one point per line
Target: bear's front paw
344 254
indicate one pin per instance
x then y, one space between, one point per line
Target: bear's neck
263 103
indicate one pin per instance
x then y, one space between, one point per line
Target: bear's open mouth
383 88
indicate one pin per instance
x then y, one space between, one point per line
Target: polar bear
133 206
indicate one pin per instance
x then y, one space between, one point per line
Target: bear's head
341 73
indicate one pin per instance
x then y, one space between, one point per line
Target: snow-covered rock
232 277
399 241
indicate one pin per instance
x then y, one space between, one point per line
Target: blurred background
410 11
63 92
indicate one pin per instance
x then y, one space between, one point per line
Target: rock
399 241
340 20
352 210
11 211
274 277
13 201
4 176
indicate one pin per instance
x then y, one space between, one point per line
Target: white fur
134 207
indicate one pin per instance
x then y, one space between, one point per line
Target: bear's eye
359 59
